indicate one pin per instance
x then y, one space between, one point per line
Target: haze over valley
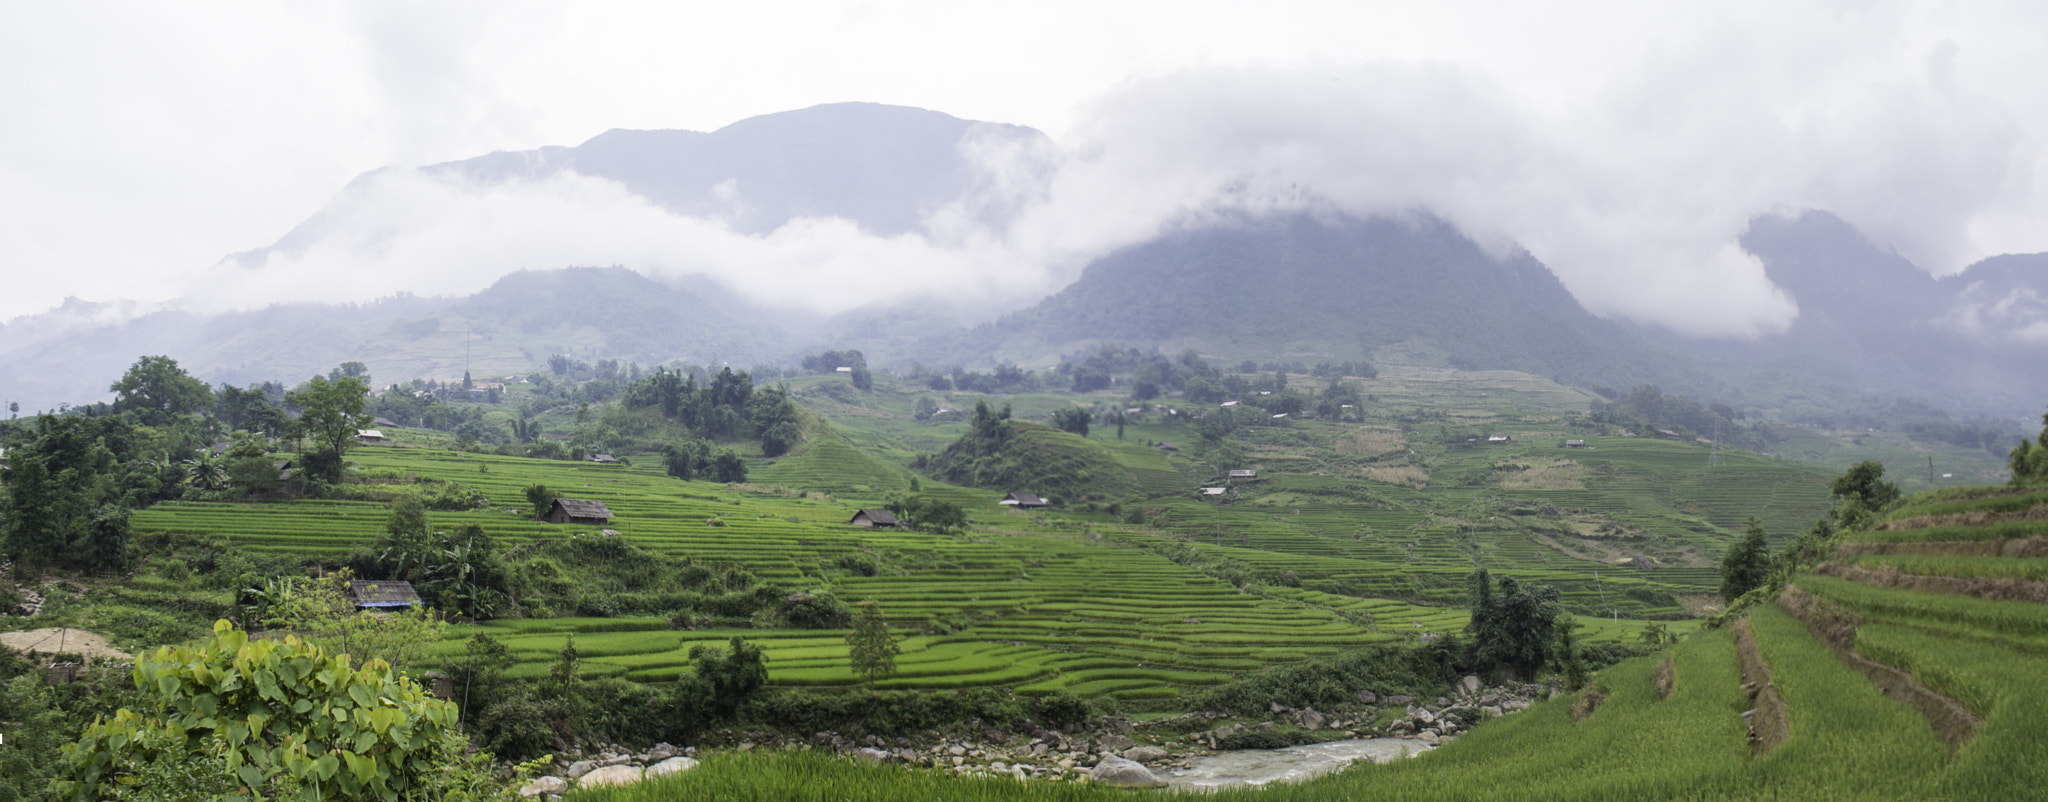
953 401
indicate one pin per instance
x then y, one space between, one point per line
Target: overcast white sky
1623 143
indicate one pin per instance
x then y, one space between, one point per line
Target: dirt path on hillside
62 640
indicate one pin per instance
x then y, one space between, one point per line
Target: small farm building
1244 474
379 594
579 511
369 435
1498 438
874 518
1574 444
606 459
1167 447
1022 500
1214 491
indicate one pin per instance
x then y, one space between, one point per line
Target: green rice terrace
1197 552
1909 665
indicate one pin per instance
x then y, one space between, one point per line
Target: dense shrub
816 611
1333 682
1059 709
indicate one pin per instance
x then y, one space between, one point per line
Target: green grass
2031 569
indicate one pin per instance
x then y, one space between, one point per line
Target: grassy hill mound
828 462
1031 458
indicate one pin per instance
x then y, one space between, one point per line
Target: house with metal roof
382 594
1022 500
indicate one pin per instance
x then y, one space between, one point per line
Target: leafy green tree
2030 460
728 467
541 498
207 471
106 538
1569 661
34 733
1512 627
872 649
1747 565
357 371
37 521
1656 633
686 460
254 475
927 513
273 718
330 413
1071 419
863 380
478 673
157 390
1864 485
724 680
923 409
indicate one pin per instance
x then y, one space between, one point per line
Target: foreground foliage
236 719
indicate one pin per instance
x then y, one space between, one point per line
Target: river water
1261 766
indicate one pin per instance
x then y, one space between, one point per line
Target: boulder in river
1117 772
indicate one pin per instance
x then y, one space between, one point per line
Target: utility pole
1930 470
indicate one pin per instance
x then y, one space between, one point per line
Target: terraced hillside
1029 601
1405 497
1864 680
1912 666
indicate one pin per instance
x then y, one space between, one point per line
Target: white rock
1145 754
543 785
870 754
674 765
580 768
610 775
1117 772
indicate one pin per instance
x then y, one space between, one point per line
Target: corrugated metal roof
382 593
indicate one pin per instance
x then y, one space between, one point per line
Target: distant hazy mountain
1310 288
1304 287
1870 319
883 167
511 327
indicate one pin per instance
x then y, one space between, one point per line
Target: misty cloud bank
1635 196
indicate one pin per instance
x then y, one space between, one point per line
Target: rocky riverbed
1198 749
1292 764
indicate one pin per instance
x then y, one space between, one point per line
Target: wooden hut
874 518
579 511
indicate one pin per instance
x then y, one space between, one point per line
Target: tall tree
1071 419
331 411
36 520
1865 484
1747 565
1513 626
157 390
872 649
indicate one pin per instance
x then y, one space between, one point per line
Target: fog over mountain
1639 211
893 228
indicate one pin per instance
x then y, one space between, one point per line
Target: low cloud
1635 193
413 231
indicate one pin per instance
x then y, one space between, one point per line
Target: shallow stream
1261 766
